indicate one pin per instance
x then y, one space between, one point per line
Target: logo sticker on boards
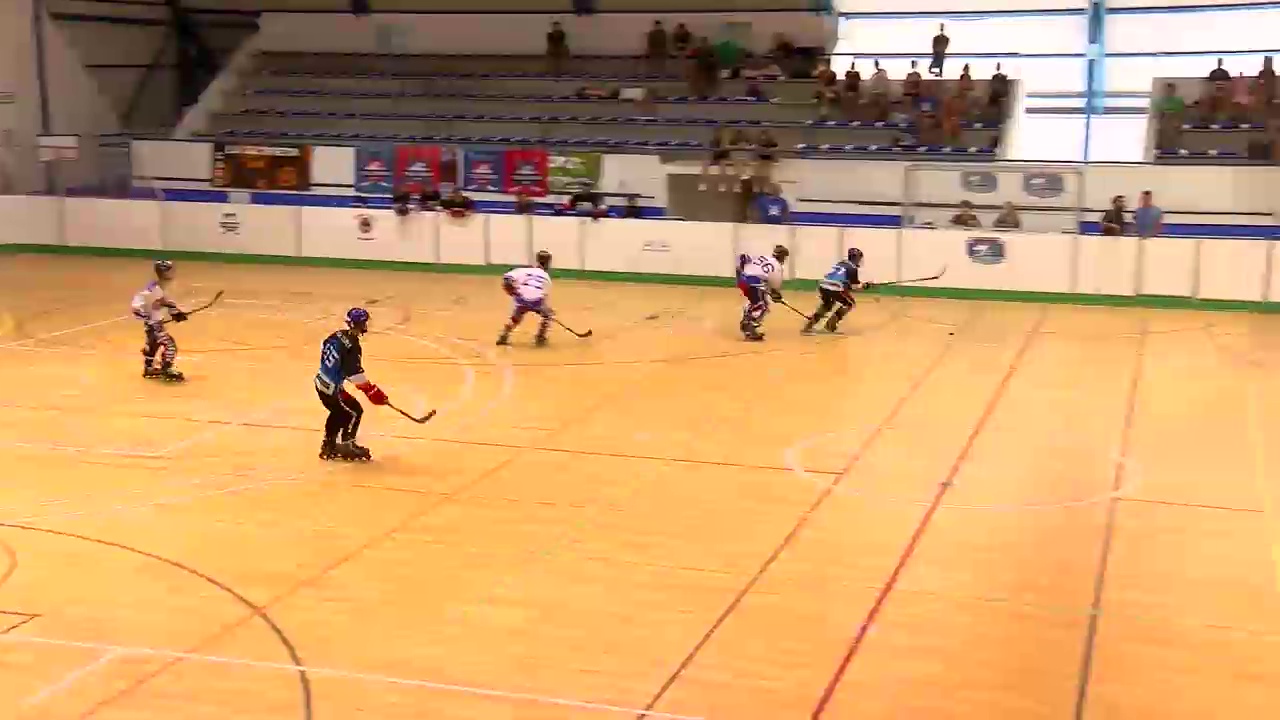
979 181
1043 185
230 223
985 250
364 225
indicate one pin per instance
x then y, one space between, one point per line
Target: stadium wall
1209 273
836 191
614 34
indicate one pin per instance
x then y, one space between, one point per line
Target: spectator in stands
705 74
965 86
770 208
525 204
997 94
1243 98
766 150
880 92
911 87
966 218
458 205
656 46
429 199
953 115
827 94
1267 80
1148 218
632 209
1170 109
1113 221
851 94
586 203
681 39
719 158
730 57
940 44
1219 73
1008 219
557 47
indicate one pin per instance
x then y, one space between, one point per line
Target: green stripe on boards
1139 301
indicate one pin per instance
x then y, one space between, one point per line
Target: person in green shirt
1170 109
729 56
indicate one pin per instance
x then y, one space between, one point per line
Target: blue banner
373 169
483 169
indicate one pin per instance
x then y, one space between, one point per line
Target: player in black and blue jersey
341 360
836 288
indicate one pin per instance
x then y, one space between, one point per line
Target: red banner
525 171
420 167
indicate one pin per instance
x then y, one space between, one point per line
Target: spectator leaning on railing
1008 219
557 47
1148 218
966 218
1113 221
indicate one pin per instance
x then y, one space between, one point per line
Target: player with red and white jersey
529 288
759 279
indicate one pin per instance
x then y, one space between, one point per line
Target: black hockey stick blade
585 334
420 420
941 272
216 297
206 306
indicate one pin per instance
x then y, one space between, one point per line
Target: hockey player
759 279
341 360
836 288
154 308
528 288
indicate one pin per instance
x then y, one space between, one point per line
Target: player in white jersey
759 279
153 306
529 288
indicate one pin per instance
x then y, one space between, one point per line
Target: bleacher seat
518 100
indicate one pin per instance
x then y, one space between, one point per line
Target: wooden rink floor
953 510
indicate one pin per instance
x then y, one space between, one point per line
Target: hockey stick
941 272
586 334
420 420
217 296
792 308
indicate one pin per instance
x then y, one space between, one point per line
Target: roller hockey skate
504 339
540 340
808 326
348 451
833 323
751 331
168 374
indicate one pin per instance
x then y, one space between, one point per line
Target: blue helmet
855 257
358 319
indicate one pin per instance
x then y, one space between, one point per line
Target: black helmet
855 257
544 259
781 253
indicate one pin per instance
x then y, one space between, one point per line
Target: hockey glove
374 393
178 316
775 295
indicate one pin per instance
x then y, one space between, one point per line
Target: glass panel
995 34
1118 138
1049 138
1134 74
1193 31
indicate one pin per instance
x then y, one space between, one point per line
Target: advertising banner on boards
525 172
374 169
571 172
418 167
483 169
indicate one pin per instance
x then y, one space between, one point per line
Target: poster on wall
483 170
373 169
571 172
261 167
526 172
418 167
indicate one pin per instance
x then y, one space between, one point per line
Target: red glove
374 393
